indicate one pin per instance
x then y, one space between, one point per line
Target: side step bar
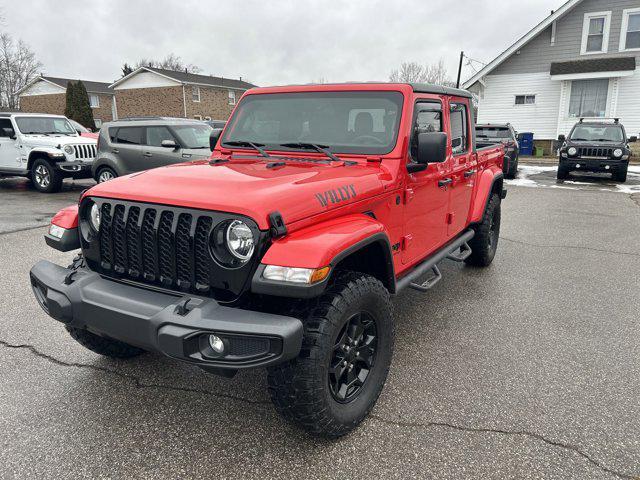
457 250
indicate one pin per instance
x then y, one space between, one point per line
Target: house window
232 97
195 93
198 117
630 34
595 33
94 101
97 122
525 99
588 98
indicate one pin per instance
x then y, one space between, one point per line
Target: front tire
620 175
44 177
345 357
104 174
563 172
485 242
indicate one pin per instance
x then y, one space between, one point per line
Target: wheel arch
488 185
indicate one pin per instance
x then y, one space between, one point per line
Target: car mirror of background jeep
432 147
213 138
9 132
562 138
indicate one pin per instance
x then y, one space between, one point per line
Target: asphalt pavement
527 369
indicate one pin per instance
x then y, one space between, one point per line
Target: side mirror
214 137
432 147
562 138
9 132
169 144
633 139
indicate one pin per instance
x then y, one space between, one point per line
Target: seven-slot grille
595 152
85 152
155 245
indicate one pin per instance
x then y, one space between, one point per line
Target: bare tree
170 62
18 67
413 72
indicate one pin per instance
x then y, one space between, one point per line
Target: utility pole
460 69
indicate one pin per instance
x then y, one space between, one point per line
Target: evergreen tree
69 110
78 106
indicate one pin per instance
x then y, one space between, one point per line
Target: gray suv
134 144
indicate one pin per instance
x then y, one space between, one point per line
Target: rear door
426 203
154 154
462 164
127 148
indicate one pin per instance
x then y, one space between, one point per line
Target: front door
9 155
155 155
462 166
426 202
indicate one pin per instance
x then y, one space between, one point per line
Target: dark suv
502 133
135 144
595 146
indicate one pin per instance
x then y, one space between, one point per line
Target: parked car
216 124
595 146
501 133
132 145
45 148
283 249
82 130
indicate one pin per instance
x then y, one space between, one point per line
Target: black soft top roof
439 90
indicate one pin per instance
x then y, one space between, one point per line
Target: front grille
153 245
85 152
595 152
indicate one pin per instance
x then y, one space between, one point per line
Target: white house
581 61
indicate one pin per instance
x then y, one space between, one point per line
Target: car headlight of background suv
572 151
68 150
617 152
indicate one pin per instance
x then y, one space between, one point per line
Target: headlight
240 240
69 149
617 152
572 151
94 217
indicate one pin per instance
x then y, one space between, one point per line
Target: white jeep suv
45 148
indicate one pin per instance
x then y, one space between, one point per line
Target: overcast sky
268 42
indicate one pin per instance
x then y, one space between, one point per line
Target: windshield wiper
312 146
244 143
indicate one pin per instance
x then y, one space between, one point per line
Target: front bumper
593 165
175 325
77 169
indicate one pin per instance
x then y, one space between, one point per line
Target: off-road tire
108 347
620 175
300 388
563 173
42 167
485 241
107 171
512 172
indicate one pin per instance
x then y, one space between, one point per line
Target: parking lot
528 369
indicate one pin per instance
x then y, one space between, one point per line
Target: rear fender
490 181
344 240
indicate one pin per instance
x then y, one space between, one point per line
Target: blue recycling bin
525 139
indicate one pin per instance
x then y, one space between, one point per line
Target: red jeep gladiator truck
283 250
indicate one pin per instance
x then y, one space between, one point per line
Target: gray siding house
581 61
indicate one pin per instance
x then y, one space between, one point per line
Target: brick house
49 95
150 91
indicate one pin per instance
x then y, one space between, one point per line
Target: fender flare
321 245
486 185
41 152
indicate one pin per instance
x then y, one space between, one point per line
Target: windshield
45 125
343 122
493 132
597 133
193 136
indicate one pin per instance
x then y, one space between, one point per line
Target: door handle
469 173
445 181
147 154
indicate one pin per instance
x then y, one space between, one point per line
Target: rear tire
620 175
104 174
44 177
105 346
563 172
485 242
353 323
512 172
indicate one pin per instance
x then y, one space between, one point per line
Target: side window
155 136
459 128
427 118
5 123
129 135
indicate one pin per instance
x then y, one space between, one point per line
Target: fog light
216 344
607 167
